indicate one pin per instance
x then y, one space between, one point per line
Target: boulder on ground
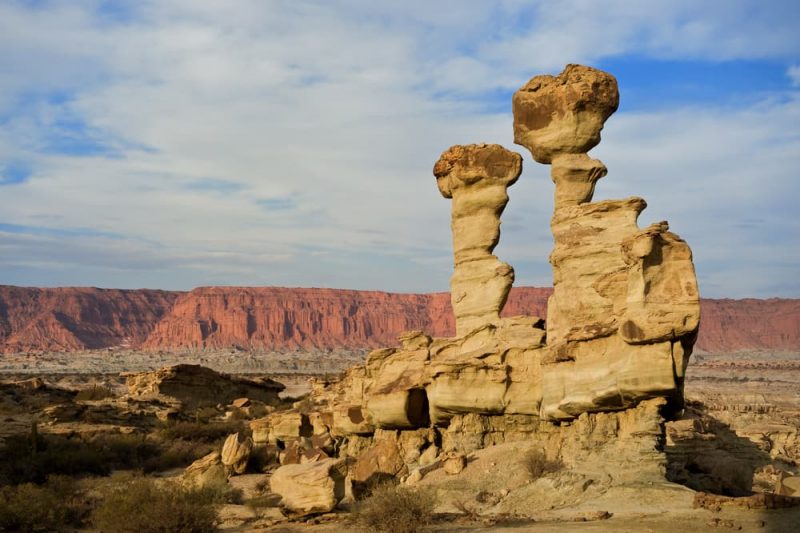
236 452
208 471
310 488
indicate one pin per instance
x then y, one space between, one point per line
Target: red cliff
278 318
78 318
287 319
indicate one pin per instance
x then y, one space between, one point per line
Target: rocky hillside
34 319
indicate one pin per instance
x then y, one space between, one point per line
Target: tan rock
563 114
454 463
315 487
208 471
395 395
476 178
382 460
236 452
788 485
662 302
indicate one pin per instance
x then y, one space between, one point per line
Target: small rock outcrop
198 386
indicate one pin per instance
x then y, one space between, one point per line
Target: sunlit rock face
476 178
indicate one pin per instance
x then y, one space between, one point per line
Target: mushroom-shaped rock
477 177
315 487
236 452
563 114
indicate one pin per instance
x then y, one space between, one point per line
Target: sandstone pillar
476 177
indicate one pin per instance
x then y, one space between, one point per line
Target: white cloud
339 111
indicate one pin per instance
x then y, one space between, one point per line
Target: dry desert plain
754 397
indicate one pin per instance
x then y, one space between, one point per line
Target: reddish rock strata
33 319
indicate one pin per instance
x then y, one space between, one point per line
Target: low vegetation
391 507
198 431
34 457
54 506
146 506
537 464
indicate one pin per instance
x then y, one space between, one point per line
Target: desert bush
210 432
34 457
391 507
142 506
94 393
177 454
54 506
536 464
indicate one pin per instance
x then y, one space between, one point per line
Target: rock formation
197 386
621 321
78 318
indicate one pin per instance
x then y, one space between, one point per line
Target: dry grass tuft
396 508
537 464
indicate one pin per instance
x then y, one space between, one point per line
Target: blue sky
178 143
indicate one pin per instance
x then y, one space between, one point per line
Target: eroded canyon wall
34 319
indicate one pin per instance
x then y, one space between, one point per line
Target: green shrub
395 508
142 506
536 464
55 506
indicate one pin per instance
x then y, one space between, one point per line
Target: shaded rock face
198 386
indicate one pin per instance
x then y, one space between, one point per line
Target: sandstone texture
608 363
564 114
476 177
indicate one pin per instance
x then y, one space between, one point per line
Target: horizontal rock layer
59 319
